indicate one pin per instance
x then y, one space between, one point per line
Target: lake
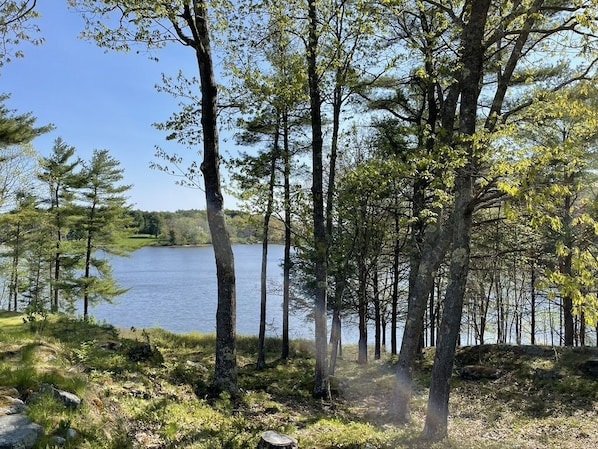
174 288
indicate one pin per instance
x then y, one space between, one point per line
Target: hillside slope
151 390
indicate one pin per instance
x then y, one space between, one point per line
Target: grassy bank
137 241
159 398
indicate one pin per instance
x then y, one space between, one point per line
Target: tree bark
432 314
87 263
261 349
225 376
566 267
286 282
437 413
335 339
336 349
435 246
436 425
377 316
362 357
395 288
14 290
87 274
533 305
321 386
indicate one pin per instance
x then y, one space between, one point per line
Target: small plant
84 351
36 315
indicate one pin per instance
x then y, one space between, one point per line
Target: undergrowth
150 389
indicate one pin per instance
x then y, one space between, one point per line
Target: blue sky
99 100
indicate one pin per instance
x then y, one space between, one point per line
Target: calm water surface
175 289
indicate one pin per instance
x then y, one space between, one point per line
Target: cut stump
272 440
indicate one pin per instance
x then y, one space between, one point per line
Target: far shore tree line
433 163
190 227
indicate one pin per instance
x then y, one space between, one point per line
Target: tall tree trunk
436 425
335 339
384 323
432 315
261 347
566 267
377 317
448 334
225 375
321 385
395 287
87 275
58 255
435 246
533 305
582 329
286 282
362 357
336 331
14 290
428 248
55 291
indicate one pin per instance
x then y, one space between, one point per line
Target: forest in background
190 227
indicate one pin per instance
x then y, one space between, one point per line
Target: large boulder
18 432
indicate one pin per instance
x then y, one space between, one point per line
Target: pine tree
59 176
104 218
17 129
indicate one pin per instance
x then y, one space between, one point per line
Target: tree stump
272 440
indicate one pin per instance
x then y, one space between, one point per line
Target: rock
61 441
477 372
590 368
8 391
271 439
111 345
11 406
58 441
192 364
18 432
544 374
69 400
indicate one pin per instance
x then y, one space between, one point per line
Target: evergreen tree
22 229
17 129
104 218
59 176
